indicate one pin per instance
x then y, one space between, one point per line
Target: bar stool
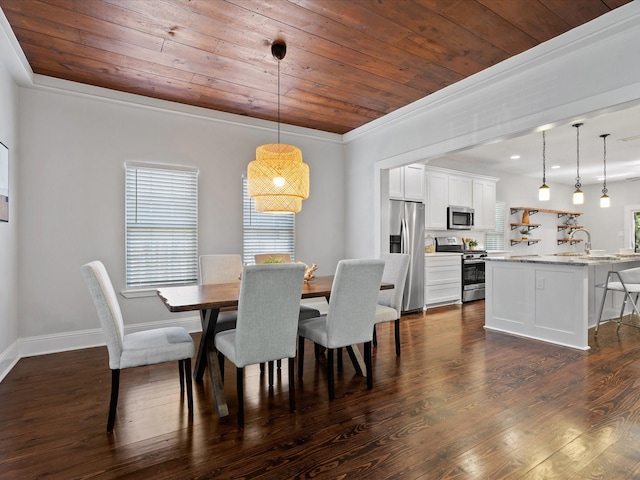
629 283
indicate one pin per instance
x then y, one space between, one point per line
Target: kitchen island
552 298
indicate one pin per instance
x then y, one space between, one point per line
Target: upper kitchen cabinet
437 199
484 203
460 193
406 183
448 187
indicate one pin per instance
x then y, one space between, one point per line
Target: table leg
357 360
217 387
208 318
208 357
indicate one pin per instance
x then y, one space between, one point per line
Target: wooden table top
202 297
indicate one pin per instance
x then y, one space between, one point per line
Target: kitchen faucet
587 245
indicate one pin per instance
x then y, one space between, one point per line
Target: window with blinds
265 232
161 223
494 240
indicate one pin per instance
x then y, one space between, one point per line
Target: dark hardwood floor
459 403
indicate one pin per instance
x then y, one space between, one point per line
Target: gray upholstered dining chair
267 323
389 308
262 258
351 315
136 349
305 310
216 269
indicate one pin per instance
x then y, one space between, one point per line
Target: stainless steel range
472 267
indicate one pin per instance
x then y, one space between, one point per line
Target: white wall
72 195
9 325
589 68
606 224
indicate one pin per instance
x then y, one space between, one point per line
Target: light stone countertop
567 259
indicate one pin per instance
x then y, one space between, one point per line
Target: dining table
209 300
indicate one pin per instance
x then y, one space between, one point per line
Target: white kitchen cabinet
396 183
460 191
484 204
407 183
443 279
437 200
414 183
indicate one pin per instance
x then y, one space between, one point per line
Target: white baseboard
62 342
9 358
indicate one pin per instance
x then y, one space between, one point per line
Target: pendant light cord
544 161
578 125
278 103
604 161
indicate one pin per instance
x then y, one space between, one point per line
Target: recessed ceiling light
515 157
555 166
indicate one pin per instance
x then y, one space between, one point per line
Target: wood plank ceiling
348 62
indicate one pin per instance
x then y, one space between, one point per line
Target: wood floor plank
460 402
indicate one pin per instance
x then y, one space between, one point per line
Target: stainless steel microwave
459 218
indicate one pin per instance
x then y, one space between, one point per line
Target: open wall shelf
569 241
533 210
567 229
529 226
528 241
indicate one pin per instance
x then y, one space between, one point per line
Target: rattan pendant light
278 180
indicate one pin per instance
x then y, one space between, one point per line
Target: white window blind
494 240
265 232
161 225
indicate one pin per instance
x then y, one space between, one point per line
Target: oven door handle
472 262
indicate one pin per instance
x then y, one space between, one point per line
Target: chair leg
300 356
339 355
261 368
397 332
332 392
292 384
604 297
115 385
270 366
316 351
368 363
279 364
181 372
221 365
240 387
187 373
375 336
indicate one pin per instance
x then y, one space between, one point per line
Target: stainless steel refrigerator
407 236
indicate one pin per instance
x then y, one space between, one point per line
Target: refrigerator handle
405 236
407 248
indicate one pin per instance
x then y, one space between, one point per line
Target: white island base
552 299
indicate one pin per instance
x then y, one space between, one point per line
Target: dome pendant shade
278 180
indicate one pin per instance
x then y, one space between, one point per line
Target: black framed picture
4 183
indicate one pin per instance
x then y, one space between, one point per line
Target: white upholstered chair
389 308
216 269
628 283
267 324
136 349
351 315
